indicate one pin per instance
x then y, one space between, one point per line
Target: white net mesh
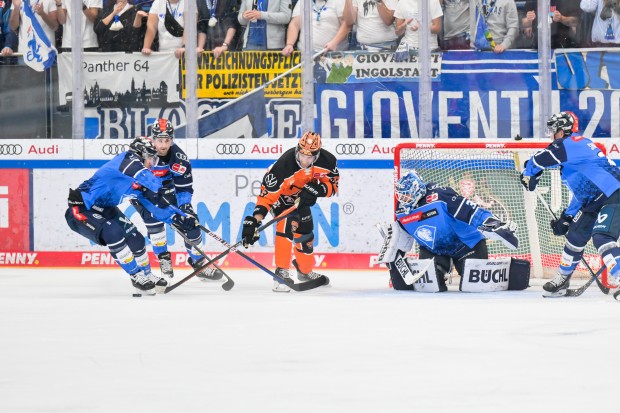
489 175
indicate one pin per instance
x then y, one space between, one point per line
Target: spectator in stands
503 22
165 20
456 25
217 25
8 38
408 22
45 13
265 23
606 26
329 29
528 33
565 18
115 27
375 23
90 10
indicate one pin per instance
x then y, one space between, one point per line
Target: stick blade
308 285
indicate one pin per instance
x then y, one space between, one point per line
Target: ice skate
142 283
279 287
209 273
160 282
557 287
310 276
165 264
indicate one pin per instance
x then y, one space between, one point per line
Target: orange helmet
309 144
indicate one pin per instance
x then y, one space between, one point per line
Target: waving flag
40 54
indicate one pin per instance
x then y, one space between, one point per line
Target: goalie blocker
479 275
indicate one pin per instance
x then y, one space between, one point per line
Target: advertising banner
15 213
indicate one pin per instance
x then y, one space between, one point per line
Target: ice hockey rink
77 341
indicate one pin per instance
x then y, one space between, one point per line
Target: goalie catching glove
310 193
561 225
249 233
493 228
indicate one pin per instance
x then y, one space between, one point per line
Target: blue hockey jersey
585 170
443 221
122 178
176 166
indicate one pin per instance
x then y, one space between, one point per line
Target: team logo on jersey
178 168
426 236
432 198
160 172
412 218
270 180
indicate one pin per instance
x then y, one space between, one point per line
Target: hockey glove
530 182
184 224
75 198
310 193
561 225
249 233
166 195
187 208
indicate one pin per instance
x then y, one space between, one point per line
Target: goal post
488 174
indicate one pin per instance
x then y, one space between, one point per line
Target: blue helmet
409 189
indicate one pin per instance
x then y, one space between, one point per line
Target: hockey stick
280 217
304 286
600 285
229 284
576 292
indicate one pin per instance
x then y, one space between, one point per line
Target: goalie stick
420 273
595 277
280 217
229 284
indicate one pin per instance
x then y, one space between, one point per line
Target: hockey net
488 174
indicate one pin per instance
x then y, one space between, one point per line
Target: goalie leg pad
519 276
482 275
399 272
396 239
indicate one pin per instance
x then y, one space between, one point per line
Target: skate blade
561 293
145 292
281 288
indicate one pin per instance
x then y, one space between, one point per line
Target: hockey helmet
563 121
162 128
309 144
409 189
143 147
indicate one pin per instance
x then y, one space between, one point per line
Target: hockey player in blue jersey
448 228
93 210
594 181
174 165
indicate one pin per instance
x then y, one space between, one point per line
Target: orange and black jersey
285 179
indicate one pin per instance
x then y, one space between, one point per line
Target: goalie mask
144 148
409 189
310 145
563 121
162 128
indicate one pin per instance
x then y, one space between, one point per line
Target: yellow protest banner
236 73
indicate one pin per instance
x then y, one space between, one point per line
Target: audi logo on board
11 149
230 149
350 149
114 148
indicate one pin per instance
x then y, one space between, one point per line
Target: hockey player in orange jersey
307 172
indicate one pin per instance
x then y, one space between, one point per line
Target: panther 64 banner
120 90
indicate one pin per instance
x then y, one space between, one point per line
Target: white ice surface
76 341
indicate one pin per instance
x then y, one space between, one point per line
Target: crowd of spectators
228 25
